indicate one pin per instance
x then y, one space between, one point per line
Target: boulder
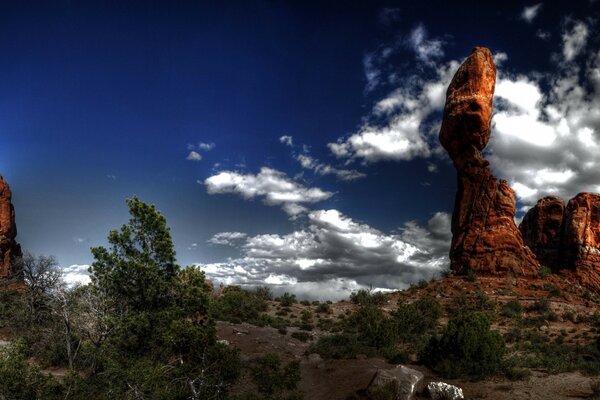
9 248
444 391
405 381
485 238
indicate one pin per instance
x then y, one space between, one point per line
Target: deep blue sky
100 100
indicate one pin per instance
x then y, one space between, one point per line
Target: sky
288 144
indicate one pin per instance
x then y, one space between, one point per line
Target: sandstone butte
485 238
566 238
9 248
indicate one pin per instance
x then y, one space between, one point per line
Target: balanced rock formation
567 238
9 248
485 238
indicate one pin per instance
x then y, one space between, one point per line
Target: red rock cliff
9 248
485 238
567 237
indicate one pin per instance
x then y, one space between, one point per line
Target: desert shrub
237 304
272 378
306 316
287 299
512 309
470 275
541 306
467 347
417 318
301 336
341 346
366 297
570 316
264 292
324 309
374 327
544 271
305 303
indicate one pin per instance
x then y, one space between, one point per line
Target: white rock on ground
444 391
407 379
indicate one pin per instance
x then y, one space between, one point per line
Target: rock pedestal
9 248
485 238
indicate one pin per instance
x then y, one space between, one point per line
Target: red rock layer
485 238
567 237
9 248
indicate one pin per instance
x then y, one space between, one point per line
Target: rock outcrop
542 231
9 248
406 381
567 237
485 238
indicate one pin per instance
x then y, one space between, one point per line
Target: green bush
418 318
467 347
238 304
374 327
512 309
301 336
544 271
287 299
271 377
341 346
366 297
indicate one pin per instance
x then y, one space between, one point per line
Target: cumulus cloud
287 140
319 168
194 156
548 142
574 40
334 255
426 50
206 146
406 132
273 186
76 275
227 238
529 13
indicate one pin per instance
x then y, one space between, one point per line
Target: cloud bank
334 255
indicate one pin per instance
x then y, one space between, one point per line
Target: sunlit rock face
485 238
567 237
9 248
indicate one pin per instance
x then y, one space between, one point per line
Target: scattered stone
223 341
444 391
314 358
485 238
407 380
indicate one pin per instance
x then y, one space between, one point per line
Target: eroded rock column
485 238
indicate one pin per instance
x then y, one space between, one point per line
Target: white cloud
270 184
405 133
310 163
574 40
227 238
76 275
529 13
334 254
426 50
194 156
545 141
206 146
287 140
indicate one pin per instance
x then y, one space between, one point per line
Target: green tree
161 340
467 347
